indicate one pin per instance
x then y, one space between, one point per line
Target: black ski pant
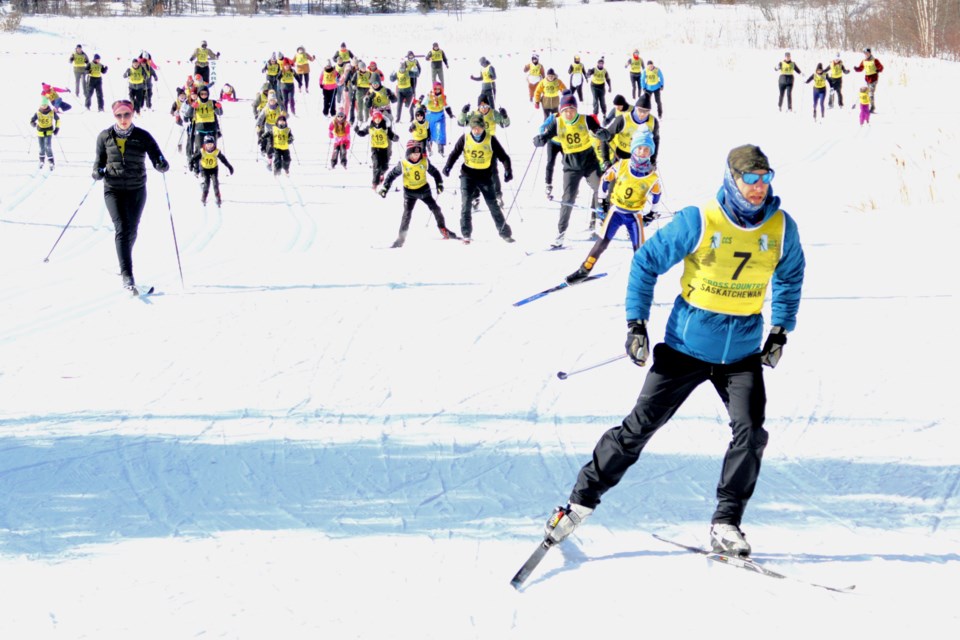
287 98
45 142
786 89
489 90
636 86
404 97
473 186
204 72
136 97
80 75
410 198
95 86
578 89
211 175
836 86
329 103
571 187
655 95
380 160
281 160
599 98
553 150
125 207
303 80
672 378
148 94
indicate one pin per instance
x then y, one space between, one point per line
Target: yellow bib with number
208 160
836 70
204 112
136 75
485 75
870 67
599 76
730 270
574 136
551 88
79 60
414 174
478 155
636 65
629 191
436 55
281 138
819 81
378 138
622 140
786 68
403 79
420 131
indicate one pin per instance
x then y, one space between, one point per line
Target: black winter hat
551 72
747 158
619 101
483 61
644 101
483 100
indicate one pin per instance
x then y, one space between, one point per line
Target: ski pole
173 229
295 154
47 259
563 375
329 147
516 193
61 149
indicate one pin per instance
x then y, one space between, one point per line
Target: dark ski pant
136 97
786 89
578 89
95 86
436 72
362 109
329 103
211 175
80 75
45 142
125 207
148 94
599 98
204 72
472 187
553 150
339 154
489 90
672 378
636 86
655 95
380 160
303 80
281 160
836 87
404 97
818 97
410 198
571 187
287 98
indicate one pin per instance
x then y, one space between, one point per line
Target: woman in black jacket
121 164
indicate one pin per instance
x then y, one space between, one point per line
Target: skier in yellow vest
281 138
547 94
414 168
578 74
652 83
79 60
786 68
480 152
819 80
835 78
576 132
381 135
488 80
207 161
733 250
301 69
328 84
420 128
629 191
47 123
201 58
871 68
635 65
271 70
438 60
625 124
599 85
95 71
136 83
404 89
534 71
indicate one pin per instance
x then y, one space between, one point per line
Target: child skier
420 129
53 95
819 80
47 123
628 192
865 105
436 103
281 138
208 160
414 168
340 134
381 134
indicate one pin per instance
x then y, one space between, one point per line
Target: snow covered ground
320 437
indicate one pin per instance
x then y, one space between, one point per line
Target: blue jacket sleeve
788 279
659 254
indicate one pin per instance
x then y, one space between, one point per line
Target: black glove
98 173
466 108
446 172
602 134
773 347
56 131
539 141
638 344
162 165
439 188
394 137
449 112
503 112
231 170
507 175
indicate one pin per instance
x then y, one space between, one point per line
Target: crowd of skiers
830 77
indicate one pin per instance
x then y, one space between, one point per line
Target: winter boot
558 242
217 196
51 164
729 540
564 520
41 162
447 234
397 243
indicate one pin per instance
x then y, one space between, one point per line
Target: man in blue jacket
732 249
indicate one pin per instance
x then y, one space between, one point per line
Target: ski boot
549 192
729 540
578 276
564 520
51 164
558 242
447 234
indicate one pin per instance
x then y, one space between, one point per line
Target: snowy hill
317 436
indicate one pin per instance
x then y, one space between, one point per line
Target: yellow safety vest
836 70
436 103
414 174
599 76
629 191
636 65
819 81
270 115
204 112
96 70
436 55
379 138
786 68
864 97
731 269
403 79
411 67
421 131
478 155
870 66
273 68
576 68
653 76
535 71
301 59
135 76
281 138
79 60
286 76
363 79
329 77
203 55
44 122
574 136
485 75
490 122
208 160
343 56
380 98
622 140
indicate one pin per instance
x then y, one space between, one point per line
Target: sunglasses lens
754 178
